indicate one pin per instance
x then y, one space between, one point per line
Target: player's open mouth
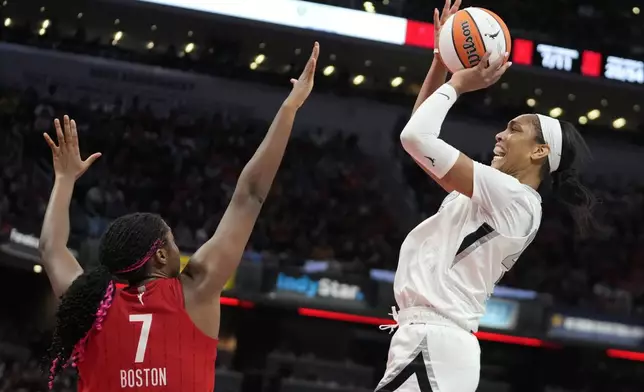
498 153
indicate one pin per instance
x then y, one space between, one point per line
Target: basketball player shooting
450 263
160 332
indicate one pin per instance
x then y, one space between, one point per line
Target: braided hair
129 242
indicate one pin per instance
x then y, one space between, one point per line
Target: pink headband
156 246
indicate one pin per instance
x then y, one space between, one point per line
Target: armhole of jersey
450 197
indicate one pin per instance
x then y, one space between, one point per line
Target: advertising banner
321 288
305 15
21 245
595 329
501 314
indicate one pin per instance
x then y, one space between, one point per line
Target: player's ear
162 256
540 151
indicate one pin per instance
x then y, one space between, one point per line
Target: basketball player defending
450 263
160 333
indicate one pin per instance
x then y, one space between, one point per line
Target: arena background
177 95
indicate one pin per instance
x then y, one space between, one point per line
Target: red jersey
148 343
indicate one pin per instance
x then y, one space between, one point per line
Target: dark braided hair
565 183
129 242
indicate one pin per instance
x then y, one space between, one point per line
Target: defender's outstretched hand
304 84
441 17
66 155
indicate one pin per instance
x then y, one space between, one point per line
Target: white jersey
452 261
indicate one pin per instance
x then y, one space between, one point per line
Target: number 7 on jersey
146 319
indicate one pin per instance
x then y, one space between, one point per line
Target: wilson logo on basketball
469 45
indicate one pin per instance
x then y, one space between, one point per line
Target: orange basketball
467 35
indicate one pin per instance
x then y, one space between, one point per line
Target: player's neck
530 178
151 277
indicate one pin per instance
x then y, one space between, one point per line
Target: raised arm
437 74
61 266
450 168
215 262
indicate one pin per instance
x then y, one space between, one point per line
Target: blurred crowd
324 205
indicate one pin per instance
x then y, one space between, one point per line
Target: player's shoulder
488 174
166 289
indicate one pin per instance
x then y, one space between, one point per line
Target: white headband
551 130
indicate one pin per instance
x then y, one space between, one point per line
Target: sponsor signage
323 287
556 57
624 70
587 63
500 314
24 246
595 330
305 15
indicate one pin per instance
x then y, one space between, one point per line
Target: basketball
468 34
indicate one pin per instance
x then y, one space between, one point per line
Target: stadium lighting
604 102
538 91
619 123
636 10
150 45
594 114
583 120
369 7
191 33
80 15
46 23
43 9
7 22
153 27
636 108
571 97
253 65
397 81
260 58
118 35
555 112
328 70
42 31
531 102
358 80
37 268
189 48
117 21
